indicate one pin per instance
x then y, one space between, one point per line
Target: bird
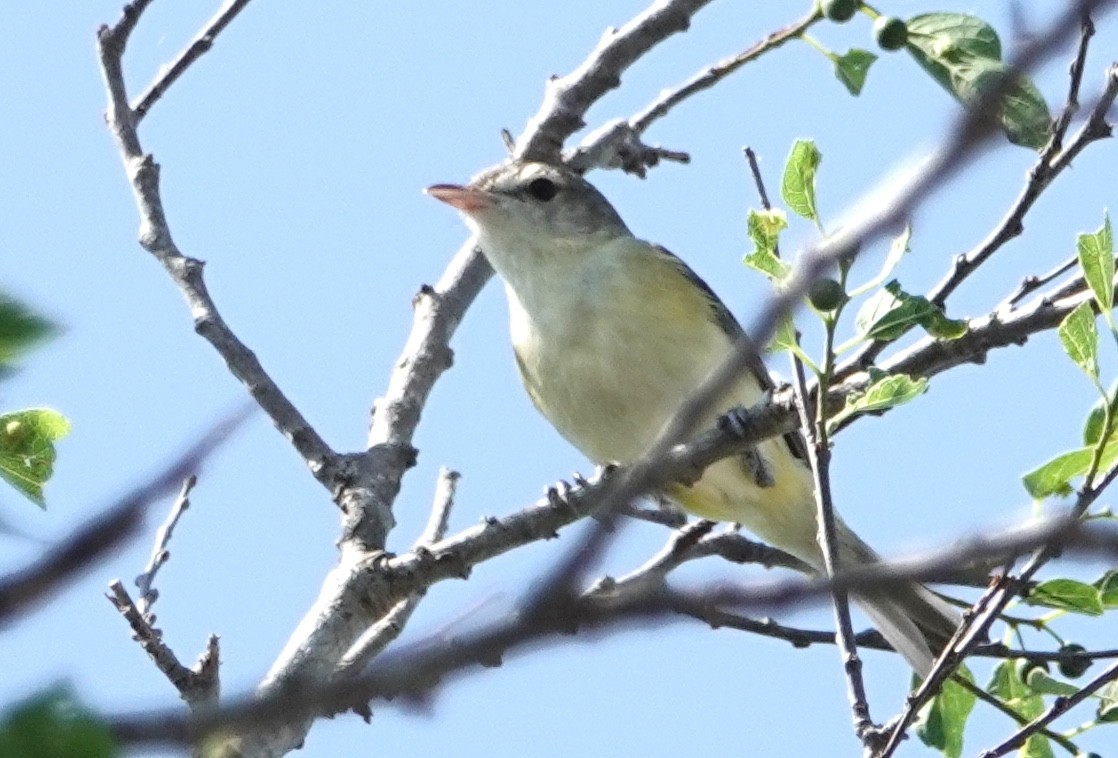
611 333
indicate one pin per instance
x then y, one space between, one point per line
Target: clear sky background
293 158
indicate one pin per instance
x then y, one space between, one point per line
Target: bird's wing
721 315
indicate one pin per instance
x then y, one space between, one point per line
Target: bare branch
381 634
618 144
813 422
155 237
160 552
1031 284
1075 79
567 98
1050 164
445 490
410 674
100 535
198 687
200 45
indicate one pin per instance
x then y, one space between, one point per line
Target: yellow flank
619 356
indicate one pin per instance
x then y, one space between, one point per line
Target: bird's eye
542 189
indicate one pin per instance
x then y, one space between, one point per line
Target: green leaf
20 329
1107 585
852 68
764 229
941 722
897 250
1043 683
954 37
54 724
1096 257
891 312
1093 426
1108 703
963 53
1067 595
1080 338
798 186
784 338
1005 684
27 451
883 393
1054 477
1037 746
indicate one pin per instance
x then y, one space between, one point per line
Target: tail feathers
913 620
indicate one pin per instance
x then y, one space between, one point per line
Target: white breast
608 351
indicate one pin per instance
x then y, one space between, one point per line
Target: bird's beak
465 199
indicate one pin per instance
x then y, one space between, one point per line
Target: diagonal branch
1058 708
160 553
199 46
567 98
155 236
977 623
618 144
409 675
1050 164
198 687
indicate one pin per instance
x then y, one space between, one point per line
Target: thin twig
567 98
813 420
763 195
1050 164
160 552
1058 708
1031 284
100 535
409 675
1075 80
618 144
199 689
976 625
200 45
155 237
989 699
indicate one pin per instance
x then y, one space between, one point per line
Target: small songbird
611 333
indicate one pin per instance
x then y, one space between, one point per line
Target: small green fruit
1076 665
891 33
840 10
825 294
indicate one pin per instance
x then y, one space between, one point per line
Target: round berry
825 294
840 10
891 33
1076 664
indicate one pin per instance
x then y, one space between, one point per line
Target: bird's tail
915 621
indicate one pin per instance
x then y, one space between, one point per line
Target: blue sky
293 161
